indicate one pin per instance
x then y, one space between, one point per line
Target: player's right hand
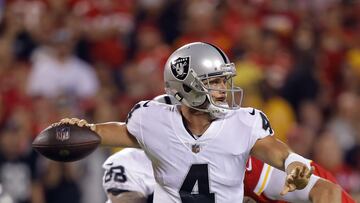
78 122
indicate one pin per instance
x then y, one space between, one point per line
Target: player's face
217 86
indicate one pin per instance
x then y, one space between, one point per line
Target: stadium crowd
297 60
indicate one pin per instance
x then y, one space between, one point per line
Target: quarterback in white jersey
190 169
198 148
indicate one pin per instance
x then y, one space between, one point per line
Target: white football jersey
208 169
129 169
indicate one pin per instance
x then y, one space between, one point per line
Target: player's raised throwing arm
112 133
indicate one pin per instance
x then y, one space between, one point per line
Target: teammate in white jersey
128 177
198 148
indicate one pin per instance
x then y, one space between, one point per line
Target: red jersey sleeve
254 181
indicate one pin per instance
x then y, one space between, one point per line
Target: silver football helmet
187 74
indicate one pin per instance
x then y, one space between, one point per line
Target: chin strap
217 112
213 110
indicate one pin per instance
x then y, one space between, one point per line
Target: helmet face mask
189 76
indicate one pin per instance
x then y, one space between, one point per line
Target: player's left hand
298 177
76 121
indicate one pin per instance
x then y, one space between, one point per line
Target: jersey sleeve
257 178
134 122
261 127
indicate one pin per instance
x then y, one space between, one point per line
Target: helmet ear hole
204 102
187 89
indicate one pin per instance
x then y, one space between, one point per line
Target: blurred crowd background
297 60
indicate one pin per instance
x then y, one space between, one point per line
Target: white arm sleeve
277 181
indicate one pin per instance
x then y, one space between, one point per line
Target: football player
128 177
199 149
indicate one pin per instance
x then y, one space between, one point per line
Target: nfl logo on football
63 134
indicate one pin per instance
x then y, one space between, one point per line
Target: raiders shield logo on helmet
180 67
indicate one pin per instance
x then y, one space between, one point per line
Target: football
66 142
